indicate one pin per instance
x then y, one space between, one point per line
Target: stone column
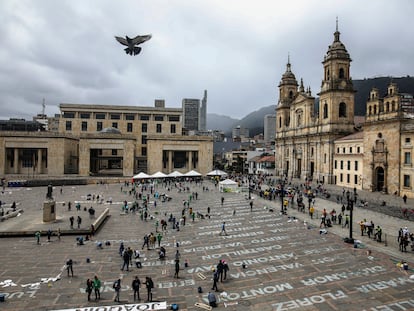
39 161
190 160
170 163
16 160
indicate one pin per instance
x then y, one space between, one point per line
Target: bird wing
121 40
141 39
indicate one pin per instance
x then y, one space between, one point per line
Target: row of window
342 113
117 116
129 129
338 150
348 165
372 109
348 178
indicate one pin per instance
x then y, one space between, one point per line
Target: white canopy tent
141 175
175 174
217 173
192 173
158 175
228 185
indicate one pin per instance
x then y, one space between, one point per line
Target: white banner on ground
129 307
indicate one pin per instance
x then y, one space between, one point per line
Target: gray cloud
65 51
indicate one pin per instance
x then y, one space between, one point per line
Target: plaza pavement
277 262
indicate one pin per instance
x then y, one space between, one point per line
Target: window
312 152
342 110
348 178
407 157
129 117
115 125
407 140
324 158
343 150
100 116
358 149
349 165
341 73
144 139
115 116
356 165
144 127
98 126
85 115
144 151
159 128
356 179
159 118
335 164
69 115
129 127
144 117
172 128
114 152
350 149
84 126
407 182
325 111
68 125
280 121
341 177
342 165
369 110
174 118
337 150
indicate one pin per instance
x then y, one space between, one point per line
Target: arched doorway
379 177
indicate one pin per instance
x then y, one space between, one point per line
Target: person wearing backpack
149 285
117 287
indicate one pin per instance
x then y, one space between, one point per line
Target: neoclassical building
105 140
305 138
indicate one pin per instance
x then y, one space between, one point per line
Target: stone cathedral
305 136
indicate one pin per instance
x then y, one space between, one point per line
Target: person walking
126 258
136 284
97 287
159 238
72 220
37 235
69 267
89 287
215 280
225 269
117 288
223 228
49 234
177 268
79 220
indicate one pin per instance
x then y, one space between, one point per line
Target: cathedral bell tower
336 98
288 90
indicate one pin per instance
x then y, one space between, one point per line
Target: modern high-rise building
191 114
203 113
269 128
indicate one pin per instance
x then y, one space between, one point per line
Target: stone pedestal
49 211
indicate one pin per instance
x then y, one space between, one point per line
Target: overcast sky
65 51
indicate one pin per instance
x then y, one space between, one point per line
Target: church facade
305 139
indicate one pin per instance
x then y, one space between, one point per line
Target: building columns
16 160
170 163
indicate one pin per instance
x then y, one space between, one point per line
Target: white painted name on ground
381 285
308 301
128 307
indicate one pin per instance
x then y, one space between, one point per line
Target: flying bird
131 43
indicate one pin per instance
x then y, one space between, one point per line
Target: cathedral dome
288 78
337 49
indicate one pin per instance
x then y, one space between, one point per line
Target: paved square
275 262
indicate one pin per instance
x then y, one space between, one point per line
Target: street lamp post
282 195
350 208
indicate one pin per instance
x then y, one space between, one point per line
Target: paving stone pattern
277 262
